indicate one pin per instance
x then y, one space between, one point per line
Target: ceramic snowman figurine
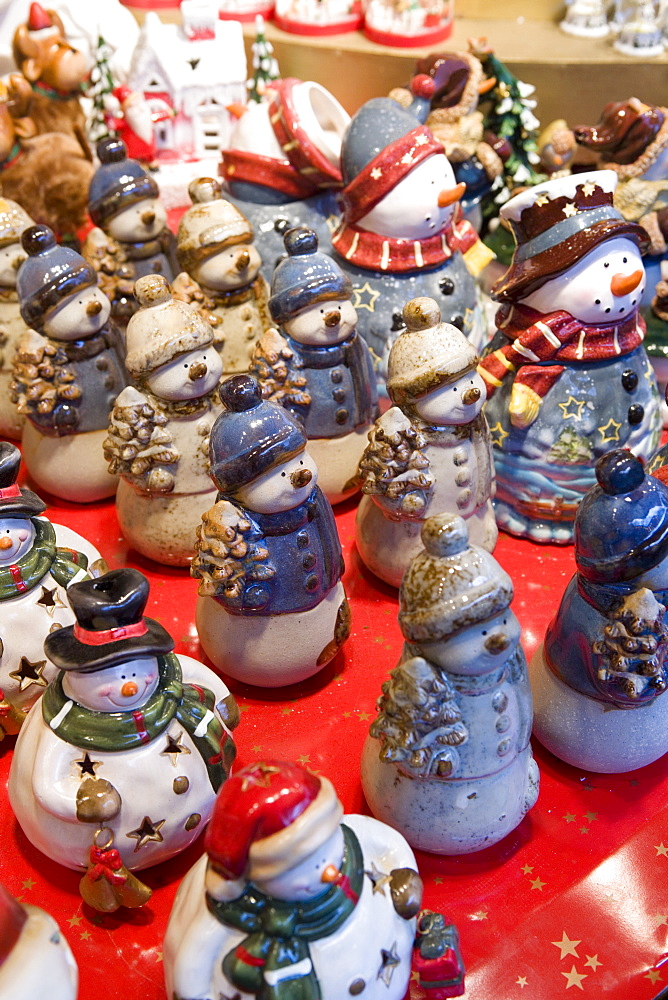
158 439
118 766
401 234
586 18
282 167
431 451
131 237
567 373
272 608
33 952
448 760
598 677
13 221
68 370
297 900
321 370
221 273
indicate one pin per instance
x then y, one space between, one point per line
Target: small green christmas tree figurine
101 85
265 66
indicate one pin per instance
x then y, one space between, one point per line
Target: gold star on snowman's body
389 962
370 302
498 430
147 831
50 600
572 408
609 431
174 747
28 673
332 222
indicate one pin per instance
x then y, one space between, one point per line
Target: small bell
108 884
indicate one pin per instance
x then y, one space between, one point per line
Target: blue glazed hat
117 183
305 277
377 124
50 274
621 527
251 436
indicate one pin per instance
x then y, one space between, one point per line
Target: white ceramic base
270 651
72 468
449 817
337 460
590 735
40 962
162 528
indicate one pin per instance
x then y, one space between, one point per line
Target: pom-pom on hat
50 274
304 277
117 183
251 436
268 818
210 225
14 220
15 500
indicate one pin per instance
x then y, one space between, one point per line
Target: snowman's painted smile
130 700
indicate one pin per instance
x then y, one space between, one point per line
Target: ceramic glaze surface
40 955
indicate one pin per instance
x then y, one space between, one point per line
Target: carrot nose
333 318
471 395
6 542
129 689
623 284
94 308
242 261
198 370
148 217
451 195
330 875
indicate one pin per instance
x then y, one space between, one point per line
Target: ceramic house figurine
282 168
320 369
33 952
158 439
221 273
448 761
130 238
297 900
132 742
431 451
13 222
598 677
68 370
272 608
567 373
401 235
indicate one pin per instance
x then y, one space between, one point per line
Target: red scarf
384 253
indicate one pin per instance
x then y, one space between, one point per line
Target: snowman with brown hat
567 375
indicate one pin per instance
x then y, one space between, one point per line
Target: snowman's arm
197 673
55 791
139 447
533 345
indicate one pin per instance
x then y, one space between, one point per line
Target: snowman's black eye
485 632
607 264
283 474
598 302
624 260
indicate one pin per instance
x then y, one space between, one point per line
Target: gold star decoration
50 600
260 776
613 427
286 710
438 880
368 303
147 831
574 978
363 716
85 935
588 189
527 869
661 850
584 829
521 981
497 434
653 975
569 817
569 209
591 816
389 962
661 919
304 759
572 408
421 140
536 883
74 920
378 879
28 883
28 673
593 962
542 199
257 748
87 766
566 946
174 747
376 173
480 915
407 158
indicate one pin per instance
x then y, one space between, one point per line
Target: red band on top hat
89 638
9 492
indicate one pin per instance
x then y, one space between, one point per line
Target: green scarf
279 932
43 557
189 703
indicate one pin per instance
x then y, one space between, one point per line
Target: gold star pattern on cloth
572 408
28 673
87 766
50 600
661 850
147 831
537 883
174 747
574 978
566 946
389 962
259 777
593 962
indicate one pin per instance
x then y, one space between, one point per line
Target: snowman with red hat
297 902
567 375
33 952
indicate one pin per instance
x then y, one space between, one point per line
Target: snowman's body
352 959
165 789
12 329
41 955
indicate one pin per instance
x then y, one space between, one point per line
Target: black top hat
110 624
15 500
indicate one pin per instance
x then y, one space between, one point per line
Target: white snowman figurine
118 766
448 761
431 451
33 952
158 439
13 221
292 901
600 676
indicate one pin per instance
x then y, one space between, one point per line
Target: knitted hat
209 226
305 277
382 144
163 327
110 626
15 500
117 183
556 224
251 436
268 818
427 354
12 919
621 526
50 274
14 220
450 585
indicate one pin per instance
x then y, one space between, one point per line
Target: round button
464 498
629 379
311 583
356 987
500 701
102 364
503 724
447 286
460 456
308 560
635 414
341 415
336 375
463 477
302 539
503 747
339 394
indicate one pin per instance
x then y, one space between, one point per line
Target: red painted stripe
17 578
140 727
246 957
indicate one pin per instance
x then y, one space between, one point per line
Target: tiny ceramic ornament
244 10
272 609
429 453
221 273
598 678
567 372
315 17
68 370
316 365
297 900
282 165
401 234
448 761
34 955
130 238
637 28
117 767
13 222
158 439
35 572
404 25
586 18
